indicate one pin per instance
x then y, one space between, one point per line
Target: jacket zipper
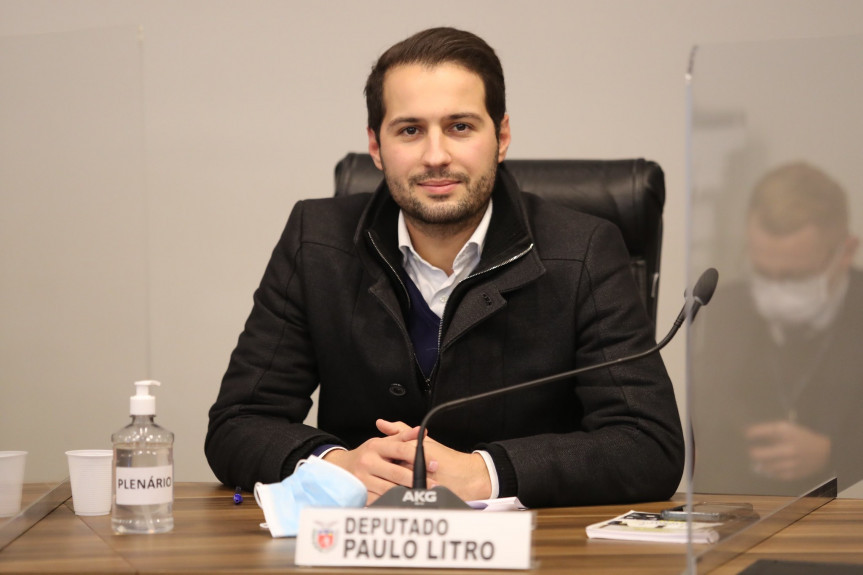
446 307
392 269
477 274
428 380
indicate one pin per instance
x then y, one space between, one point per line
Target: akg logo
324 536
420 497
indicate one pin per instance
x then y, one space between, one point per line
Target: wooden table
212 535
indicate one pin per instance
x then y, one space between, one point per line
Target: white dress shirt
434 283
436 286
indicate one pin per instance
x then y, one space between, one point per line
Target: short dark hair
433 47
797 194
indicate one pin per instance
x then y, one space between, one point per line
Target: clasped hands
387 461
787 451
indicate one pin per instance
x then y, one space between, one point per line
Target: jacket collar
508 241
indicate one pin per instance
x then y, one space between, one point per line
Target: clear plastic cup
11 481
90 475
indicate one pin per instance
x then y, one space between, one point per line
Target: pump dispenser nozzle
142 403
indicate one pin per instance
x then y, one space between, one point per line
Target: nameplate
386 537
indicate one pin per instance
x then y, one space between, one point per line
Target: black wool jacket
552 292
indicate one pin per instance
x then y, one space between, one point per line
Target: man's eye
410 131
461 127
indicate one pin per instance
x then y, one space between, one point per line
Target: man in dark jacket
778 391
446 282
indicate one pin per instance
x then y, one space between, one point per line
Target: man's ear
503 138
374 148
849 251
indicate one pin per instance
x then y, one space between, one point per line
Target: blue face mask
315 483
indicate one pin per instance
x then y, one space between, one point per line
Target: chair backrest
629 193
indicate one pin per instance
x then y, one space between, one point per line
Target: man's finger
391 427
396 475
393 449
377 486
763 431
409 434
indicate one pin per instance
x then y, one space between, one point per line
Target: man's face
438 147
799 255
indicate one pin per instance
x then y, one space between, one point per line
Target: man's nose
436 151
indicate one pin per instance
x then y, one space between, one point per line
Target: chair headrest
629 193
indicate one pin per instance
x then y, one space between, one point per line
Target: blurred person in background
778 392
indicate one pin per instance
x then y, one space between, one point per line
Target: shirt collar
473 246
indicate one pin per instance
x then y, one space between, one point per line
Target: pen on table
238 495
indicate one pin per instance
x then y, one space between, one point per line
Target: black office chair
629 193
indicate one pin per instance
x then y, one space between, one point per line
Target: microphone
703 291
441 497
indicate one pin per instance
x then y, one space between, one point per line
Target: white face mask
806 301
791 302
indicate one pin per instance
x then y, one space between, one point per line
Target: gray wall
218 117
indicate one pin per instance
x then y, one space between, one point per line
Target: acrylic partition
73 231
775 201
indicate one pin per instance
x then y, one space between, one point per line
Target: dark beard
469 209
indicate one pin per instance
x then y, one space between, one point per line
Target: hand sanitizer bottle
143 469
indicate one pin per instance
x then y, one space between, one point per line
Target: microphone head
705 286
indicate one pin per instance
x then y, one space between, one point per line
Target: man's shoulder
335 217
552 223
349 206
855 291
732 300
856 276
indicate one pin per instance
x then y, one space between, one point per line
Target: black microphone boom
701 294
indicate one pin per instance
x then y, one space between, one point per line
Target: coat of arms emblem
324 536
